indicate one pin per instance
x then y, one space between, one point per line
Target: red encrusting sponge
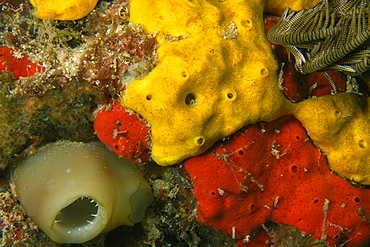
124 132
273 172
20 67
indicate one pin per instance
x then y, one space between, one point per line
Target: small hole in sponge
241 152
190 100
294 169
81 212
362 144
251 206
356 199
199 141
247 23
149 97
264 72
230 94
316 201
184 74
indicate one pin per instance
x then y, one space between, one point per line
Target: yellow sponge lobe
340 125
215 74
63 9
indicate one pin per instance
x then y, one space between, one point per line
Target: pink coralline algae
123 132
272 172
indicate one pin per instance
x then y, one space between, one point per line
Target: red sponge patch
272 172
21 67
123 132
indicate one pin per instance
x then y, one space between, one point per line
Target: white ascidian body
76 191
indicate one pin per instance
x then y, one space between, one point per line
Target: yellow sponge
63 9
215 73
340 125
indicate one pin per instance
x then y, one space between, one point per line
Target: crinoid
332 35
